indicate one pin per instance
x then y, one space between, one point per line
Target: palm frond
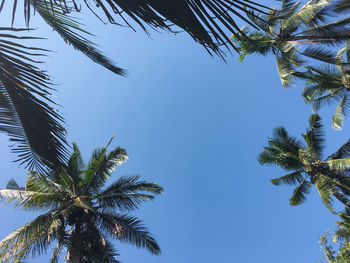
325 188
285 70
342 152
127 193
291 178
32 238
129 229
282 150
100 169
339 164
314 136
340 113
24 88
320 53
70 30
299 193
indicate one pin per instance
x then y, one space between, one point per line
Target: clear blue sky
194 125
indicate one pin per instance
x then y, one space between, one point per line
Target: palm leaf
24 88
129 229
69 29
291 179
314 136
127 193
325 188
299 193
342 152
340 112
99 170
339 164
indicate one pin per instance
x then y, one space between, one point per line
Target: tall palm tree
287 32
303 161
79 212
329 84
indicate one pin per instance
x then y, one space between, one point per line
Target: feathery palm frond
25 114
70 29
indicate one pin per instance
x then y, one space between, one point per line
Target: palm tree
329 84
342 237
78 212
285 34
304 163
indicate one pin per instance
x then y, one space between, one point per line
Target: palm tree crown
329 84
304 162
287 31
80 214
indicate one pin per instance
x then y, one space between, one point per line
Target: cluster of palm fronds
311 43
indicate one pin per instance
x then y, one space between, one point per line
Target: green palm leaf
129 229
291 179
299 193
127 193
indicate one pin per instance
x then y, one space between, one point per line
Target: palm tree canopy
80 213
303 161
287 32
208 22
328 84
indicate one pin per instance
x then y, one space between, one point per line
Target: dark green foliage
80 215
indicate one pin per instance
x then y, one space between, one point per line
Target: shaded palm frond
70 30
208 22
25 115
300 192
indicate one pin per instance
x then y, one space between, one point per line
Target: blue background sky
194 125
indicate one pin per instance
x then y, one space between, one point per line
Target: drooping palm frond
71 32
25 113
128 229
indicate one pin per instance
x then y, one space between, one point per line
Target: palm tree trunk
76 248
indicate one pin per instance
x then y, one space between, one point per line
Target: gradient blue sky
194 125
